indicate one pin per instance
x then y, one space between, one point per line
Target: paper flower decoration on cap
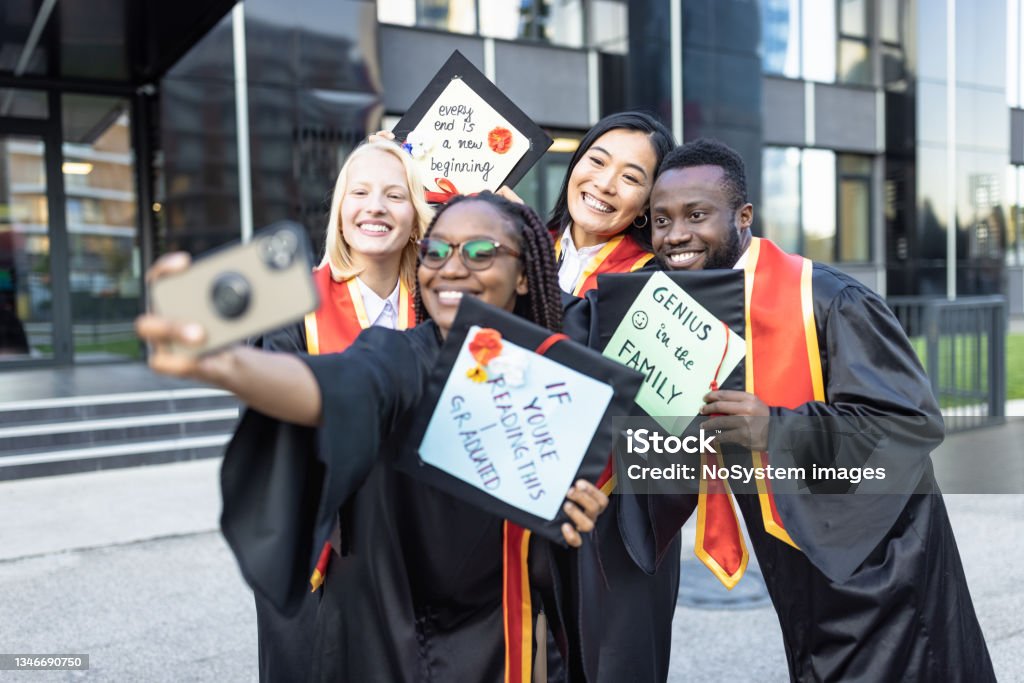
499 140
511 367
485 347
418 145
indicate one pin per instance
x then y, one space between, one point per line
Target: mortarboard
466 135
513 415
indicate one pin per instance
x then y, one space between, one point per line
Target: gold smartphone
241 291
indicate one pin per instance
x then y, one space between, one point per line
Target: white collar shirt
574 261
380 312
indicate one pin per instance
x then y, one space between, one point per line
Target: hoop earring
640 226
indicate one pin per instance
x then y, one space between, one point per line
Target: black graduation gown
625 612
877 591
285 642
416 594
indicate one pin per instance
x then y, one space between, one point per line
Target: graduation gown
416 594
876 590
286 642
625 612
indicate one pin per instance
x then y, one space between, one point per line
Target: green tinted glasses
477 253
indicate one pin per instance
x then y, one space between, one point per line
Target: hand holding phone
233 293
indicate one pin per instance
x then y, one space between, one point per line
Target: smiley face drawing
640 320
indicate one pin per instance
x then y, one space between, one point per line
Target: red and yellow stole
342 315
332 328
620 255
516 600
783 367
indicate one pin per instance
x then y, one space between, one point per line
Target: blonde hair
337 253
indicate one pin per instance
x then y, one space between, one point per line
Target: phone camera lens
230 294
279 249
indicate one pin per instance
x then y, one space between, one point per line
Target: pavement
128 567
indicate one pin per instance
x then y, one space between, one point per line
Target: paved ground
126 566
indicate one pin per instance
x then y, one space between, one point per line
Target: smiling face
693 224
376 213
499 285
609 186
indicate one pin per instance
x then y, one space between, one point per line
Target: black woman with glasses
415 593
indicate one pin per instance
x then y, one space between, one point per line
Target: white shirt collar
741 262
574 261
382 312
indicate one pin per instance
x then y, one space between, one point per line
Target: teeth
449 297
375 227
596 204
682 256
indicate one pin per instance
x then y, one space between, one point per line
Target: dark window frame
865 40
867 178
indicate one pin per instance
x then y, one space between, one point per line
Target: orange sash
517 602
619 255
342 315
783 368
332 328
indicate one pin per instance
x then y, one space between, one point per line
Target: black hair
542 304
661 141
708 152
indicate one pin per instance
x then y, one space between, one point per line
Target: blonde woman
366 278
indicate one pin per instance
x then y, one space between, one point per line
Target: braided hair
542 304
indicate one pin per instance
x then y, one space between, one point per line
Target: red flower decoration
485 346
500 140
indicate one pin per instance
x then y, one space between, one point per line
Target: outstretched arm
276 384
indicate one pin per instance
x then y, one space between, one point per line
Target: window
1015 53
854 207
609 26
818 40
559 22
99 181
780 37
29 104
854 54
817 203
822 41
780 215
456 16
1015 214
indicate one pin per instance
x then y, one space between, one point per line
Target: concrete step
30 438
52 436
63 409
68 461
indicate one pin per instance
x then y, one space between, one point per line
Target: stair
51 436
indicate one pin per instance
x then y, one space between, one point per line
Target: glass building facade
122 128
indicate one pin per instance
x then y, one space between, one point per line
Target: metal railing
962 345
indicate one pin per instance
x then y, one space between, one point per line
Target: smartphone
241 291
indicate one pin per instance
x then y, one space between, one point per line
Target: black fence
962 345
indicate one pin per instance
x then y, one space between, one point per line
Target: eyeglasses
477 253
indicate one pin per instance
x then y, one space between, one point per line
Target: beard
726 254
